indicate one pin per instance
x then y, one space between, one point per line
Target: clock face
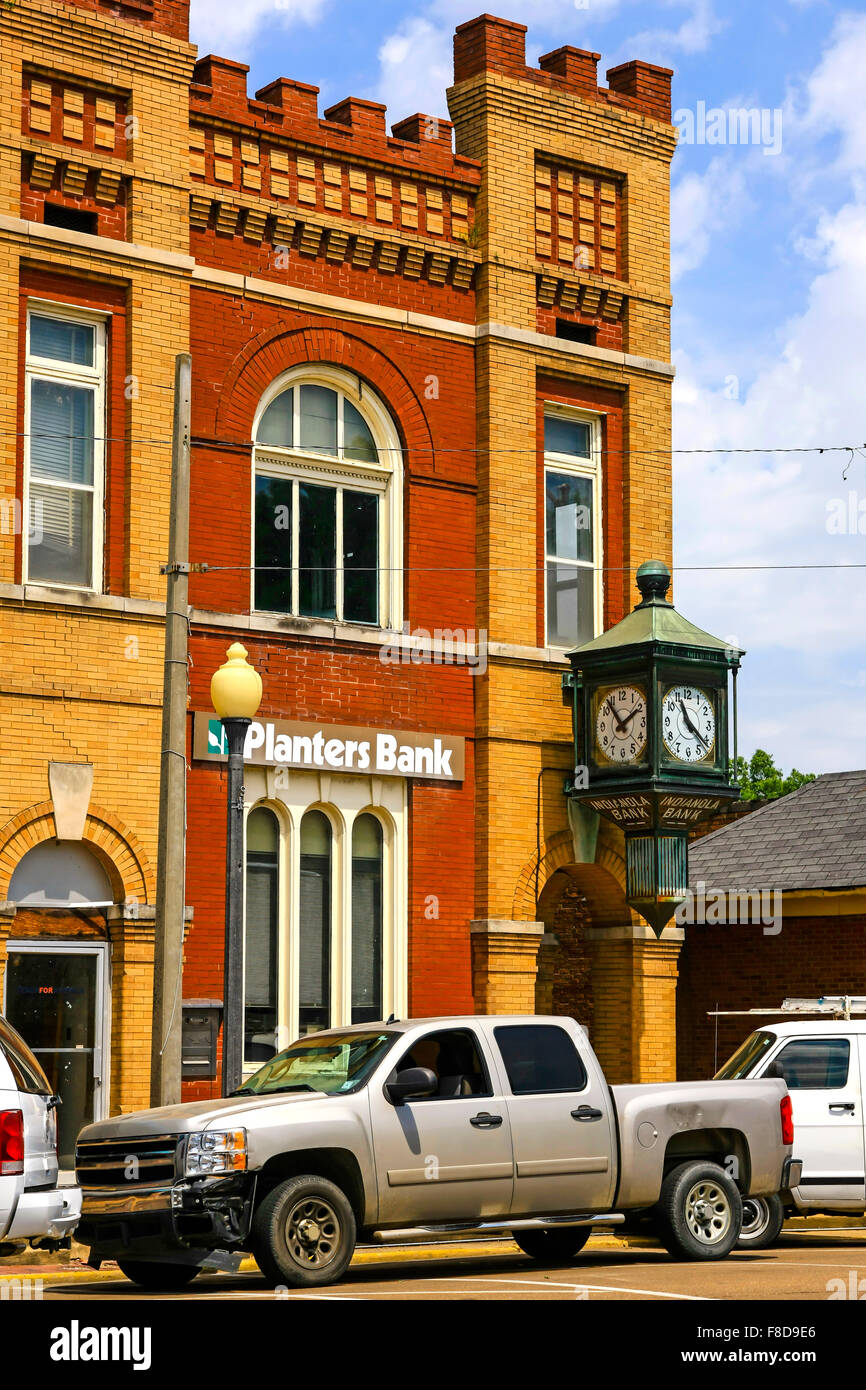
689 723
620 724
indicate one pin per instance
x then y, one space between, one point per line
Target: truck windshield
335 1063
746 1058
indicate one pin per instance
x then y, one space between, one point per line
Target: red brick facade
738 967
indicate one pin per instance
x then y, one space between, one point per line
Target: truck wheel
303 1233
552 1244
763 1218
152 1275
700 1212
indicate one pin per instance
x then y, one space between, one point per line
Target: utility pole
171 860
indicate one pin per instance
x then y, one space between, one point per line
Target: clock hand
690 725
619 724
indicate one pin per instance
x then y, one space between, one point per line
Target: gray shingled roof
814 838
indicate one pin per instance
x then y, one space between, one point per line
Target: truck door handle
484 1120
842 1107
586 1112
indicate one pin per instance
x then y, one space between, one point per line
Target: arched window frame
394 924
384 477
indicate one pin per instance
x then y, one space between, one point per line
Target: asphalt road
809 1267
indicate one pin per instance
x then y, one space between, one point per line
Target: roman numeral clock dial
621 724
689 724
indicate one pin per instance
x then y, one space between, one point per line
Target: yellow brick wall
511 124
78 683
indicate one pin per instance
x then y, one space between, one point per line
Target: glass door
55 997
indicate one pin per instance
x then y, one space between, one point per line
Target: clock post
651 716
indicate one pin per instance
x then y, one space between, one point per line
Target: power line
202 568
441 449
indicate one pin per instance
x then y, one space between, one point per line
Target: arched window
261 978
366 919
60 873
328 476
314 1011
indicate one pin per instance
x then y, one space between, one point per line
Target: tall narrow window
328 510
572 527
261 935
315 924
64 393
366 919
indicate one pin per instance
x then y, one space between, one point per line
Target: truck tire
303 1233
150 1274
763 1218
700 1212
551 1244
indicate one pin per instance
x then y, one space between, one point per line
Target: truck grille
123 1162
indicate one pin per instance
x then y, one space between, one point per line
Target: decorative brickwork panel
577 219
55 110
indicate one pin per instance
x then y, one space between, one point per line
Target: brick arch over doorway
598 960
113 843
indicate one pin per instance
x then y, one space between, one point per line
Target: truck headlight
216 1151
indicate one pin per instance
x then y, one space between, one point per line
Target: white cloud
701 205
227 28
415 69
772 509
691 35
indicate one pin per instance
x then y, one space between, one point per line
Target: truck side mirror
411 1084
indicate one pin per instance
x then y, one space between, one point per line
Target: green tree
761 780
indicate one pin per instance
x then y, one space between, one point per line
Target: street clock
651 725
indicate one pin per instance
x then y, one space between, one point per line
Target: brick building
780 896
431 412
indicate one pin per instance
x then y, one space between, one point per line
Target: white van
32 1205
824 1065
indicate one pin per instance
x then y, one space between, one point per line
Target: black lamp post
236 692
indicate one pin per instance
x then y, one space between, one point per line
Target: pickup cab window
455 1060
813 1064
28 1074
746 1057
539 1057
333 1063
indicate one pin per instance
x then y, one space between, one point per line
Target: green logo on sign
216 737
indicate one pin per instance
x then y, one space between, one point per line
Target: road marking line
595 1288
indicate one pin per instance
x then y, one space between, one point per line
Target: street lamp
236 693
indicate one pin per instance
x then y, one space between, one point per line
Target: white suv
32 1205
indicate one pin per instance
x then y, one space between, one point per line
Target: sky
768 231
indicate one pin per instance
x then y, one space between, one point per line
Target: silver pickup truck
398 1131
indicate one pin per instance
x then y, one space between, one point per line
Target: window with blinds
64 426
321 927
315 925
366 919
261 936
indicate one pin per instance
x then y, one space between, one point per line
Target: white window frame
582 468
68 373
354 802
384 478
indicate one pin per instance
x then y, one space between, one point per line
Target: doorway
56 995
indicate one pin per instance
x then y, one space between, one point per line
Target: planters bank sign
336 748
